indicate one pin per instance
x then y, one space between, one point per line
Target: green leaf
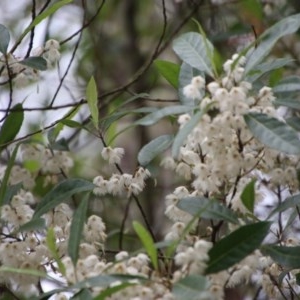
112 290
169 70
268 39
185 131
290 202
294 122
155 116
84 294
92 100
54 132
185 77
48 12
248 195
192 287
77 225
273 133
190 47
211 209
71 123
61 192
147 242
267 67
288 84
11 190
236 246
11 125
33 225
35 62
153 148
291 103
288 257
5 179
51 244
297 278
4 39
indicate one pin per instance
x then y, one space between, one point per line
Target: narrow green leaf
273 133
288 257
4 39
169 70
290 202
289 84
35 62
83 294
4 184
190 47
48 12
268 39
77 225
192 287
11 125
297 278
294 122
291 103
112 290
92 100
61 192
211 209
51 244
72 123
11 190
248 195
30 272
185 131
236 246
267 67
54 133
154 148
155 116
33 225
147 242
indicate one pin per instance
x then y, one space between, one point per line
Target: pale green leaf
186 75
154 148
52 247
273 133
35 62
34 225
4 39
185 131
147 242
92 100
155 116
45 14
288 257
4 182
268 39
191 48
210 209
62 192
77 226
191 287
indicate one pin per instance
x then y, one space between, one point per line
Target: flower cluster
22 75
219 158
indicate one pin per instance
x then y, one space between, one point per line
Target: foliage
81 191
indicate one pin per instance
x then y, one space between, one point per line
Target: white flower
191 91
112 155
